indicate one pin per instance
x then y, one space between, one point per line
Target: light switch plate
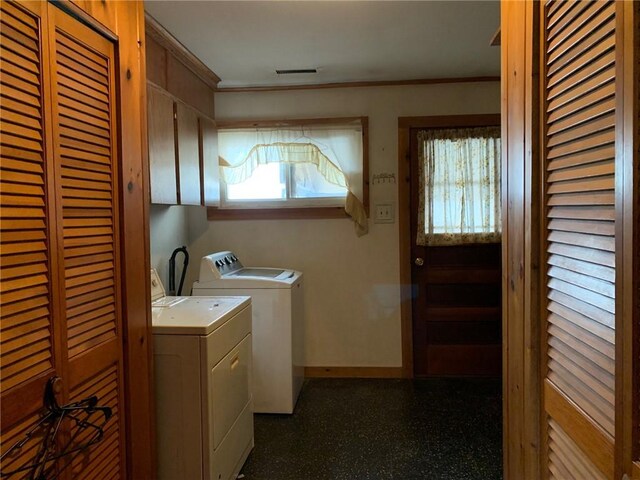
385 213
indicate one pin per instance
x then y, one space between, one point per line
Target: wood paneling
156 63
175 69
182 83
521 240
188 156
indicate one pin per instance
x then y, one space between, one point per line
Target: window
459 185
306 168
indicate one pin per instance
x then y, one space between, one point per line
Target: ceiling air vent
296 70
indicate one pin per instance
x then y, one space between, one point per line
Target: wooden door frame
123 23
627 455
405 124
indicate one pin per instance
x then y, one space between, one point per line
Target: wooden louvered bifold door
579 156
61 308
84 137
29 329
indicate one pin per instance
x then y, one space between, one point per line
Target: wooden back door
456 297
579 147
61 306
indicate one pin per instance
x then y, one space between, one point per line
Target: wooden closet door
86 188
579 93
59 289
29 329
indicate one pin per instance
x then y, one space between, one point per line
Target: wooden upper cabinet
162 152
209 163
183 152
188 155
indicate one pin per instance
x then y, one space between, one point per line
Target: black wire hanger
81 415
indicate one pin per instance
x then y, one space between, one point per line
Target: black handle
172 270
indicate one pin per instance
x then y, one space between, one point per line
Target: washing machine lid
194 315
249 280
224 270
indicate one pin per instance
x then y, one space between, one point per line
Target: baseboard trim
353 372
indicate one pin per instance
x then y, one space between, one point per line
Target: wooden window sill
214 213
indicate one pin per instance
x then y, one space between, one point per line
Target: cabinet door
209 163
162 147
188 156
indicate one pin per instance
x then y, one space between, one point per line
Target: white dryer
277 327
202 370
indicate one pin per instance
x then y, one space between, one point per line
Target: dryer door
229 388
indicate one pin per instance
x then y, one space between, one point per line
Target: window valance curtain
459 175
335 150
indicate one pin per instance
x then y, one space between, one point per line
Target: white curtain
459 174
336 150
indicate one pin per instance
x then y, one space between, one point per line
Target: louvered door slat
9 436
582 467
590 20
25 318
579 365
575 199
580 336
105 457
563 13
580 127
585 281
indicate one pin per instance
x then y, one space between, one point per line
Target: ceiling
244 42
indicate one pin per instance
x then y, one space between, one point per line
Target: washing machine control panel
218 264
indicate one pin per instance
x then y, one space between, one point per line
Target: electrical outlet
385 213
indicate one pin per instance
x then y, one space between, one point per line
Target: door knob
419 261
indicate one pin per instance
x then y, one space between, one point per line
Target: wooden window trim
295 213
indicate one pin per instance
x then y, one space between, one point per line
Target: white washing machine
202 373
277 328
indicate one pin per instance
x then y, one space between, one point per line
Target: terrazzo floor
383 429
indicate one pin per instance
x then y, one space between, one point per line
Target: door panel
456 306
162 147
29 344
61 311
188 155
84 134
579 156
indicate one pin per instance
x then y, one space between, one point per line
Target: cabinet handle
235 362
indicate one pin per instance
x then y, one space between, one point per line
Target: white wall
352 286
169 230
